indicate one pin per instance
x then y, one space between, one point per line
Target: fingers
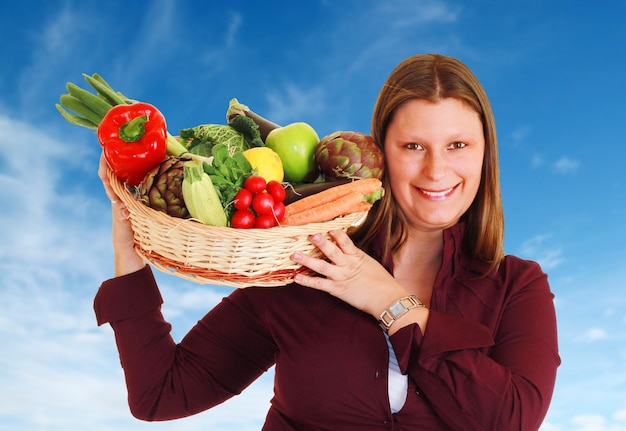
120 212
319 266
347 273
342 260
344 242
330 250
102 167
103 173
315 282
334 250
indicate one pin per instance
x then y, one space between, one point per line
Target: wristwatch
398 309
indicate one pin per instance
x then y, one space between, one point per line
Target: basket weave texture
222 255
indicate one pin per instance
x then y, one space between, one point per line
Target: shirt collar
454 261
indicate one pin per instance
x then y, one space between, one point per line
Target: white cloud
549 257
63 371
409 13
546 426
594 334
519 135
596 423
536 161
234 24
589 422
394 28
294 103
392 31
38 219
566 165
53 46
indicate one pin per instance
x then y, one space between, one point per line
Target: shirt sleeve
123 297
481 378
220 356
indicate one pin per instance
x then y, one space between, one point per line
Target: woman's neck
416 264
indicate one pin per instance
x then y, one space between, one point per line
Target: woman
418 321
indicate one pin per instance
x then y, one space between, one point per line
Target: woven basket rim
221 255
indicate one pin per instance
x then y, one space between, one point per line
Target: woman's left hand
349 274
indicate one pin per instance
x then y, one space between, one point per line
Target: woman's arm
483 363
125 258
220 356
480 378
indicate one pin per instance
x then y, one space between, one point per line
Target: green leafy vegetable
241 133
228 171
249 129
209 135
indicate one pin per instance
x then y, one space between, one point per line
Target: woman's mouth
437 194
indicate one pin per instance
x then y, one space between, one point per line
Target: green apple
295 144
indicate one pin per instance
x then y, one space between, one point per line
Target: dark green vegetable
201 139
249 129
240 134
162 188
349 155
227 172
85 109
237 109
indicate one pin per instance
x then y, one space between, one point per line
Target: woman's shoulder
518 264
509 265
512 277
515 271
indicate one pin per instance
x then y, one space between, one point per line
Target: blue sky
554 71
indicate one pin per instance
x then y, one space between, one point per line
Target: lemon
266 162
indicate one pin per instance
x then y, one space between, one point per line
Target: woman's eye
457 145
413 146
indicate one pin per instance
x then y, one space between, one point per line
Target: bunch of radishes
258 204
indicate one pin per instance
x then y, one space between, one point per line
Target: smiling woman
434 327
438 149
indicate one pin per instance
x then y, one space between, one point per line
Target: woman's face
434 154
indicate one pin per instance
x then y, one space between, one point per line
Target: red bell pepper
134 140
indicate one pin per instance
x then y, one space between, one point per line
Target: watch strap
398 309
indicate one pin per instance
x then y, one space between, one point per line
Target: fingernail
124 215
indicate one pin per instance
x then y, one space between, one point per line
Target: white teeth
437 194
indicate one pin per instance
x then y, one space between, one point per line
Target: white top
398 382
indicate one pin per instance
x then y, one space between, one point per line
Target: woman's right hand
125 258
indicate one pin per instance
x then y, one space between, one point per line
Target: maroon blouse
487 361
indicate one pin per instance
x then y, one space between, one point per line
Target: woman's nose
436 166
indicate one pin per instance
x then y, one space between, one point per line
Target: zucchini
200 196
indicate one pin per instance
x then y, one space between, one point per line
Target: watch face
397 308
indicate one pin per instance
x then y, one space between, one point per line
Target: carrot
361 207
364 187
347 204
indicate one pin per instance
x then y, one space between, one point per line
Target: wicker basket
222 255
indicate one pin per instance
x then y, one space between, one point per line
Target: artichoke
349 155
162 187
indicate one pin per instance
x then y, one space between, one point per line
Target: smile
441 194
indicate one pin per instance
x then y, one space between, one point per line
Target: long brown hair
434 77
